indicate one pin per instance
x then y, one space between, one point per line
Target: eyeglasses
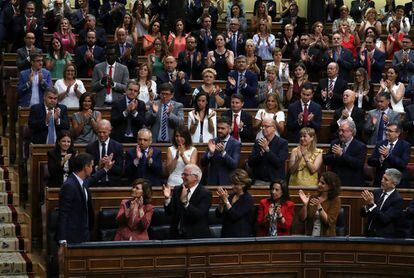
266 126
186 174
390 130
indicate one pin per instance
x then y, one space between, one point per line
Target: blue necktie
380 134
234 41
164 120
51 131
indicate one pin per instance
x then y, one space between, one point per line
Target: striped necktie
164 119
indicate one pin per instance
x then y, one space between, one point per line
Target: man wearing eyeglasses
188 205
404 60
393 152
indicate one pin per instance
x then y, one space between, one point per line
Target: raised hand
166 190
303 197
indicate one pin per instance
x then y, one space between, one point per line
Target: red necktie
235 128
108 82
369 66
90 69
28 21
305 114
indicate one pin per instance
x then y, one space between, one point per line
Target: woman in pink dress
65 35
177 40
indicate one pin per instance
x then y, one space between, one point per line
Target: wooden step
15 244
9 198
12 263
15 229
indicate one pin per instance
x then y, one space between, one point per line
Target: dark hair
131 26
51 50
393 8
51 90
80 161
241 10
185 133
394 23
82 99
223 120
398 7
224 39
165 87
384 94
307 86
110 48
175 25
200 94
333 182
397 72
60 135
397 125
140 66
164 48
146 188
239 96
374 30
152 24
135 8
240 176
285 190
65 68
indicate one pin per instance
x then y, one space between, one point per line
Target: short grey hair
394 175
146 130
351 125
195 170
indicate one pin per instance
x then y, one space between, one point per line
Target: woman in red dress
134 215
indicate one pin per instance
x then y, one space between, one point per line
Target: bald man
101 149
348 111
126 52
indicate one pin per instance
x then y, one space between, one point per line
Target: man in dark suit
54 16
205 36
297 22
303 113
46 119
78 18
144 161
222 156
88 55
349 112
310 56
126 52
8 16
102 148
340 55
330 90
372 60
91 26
409 11
76 213
346 156
128 115
190 60
359 7
33 82
408 123
188 205
235 39
178 79
23 53
241 125
111 14
409 214
269 155
384 206
391 153
243 81
404 60
207 9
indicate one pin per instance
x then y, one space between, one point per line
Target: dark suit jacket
338 90
350 165
194 216
219 167
181 91
212 11
248 92
406 70
409 214
269 166
111 20
100 36
346 63
246 135
22 62
152 172
25 91
408 123
237 221
398 159
202 46
358 115
19 31
37 122
115 174
377 66
240 44
86 66
119 121
384 220
314 65
293 125
132 63
300 24
55 168
192 70
52 21
76 216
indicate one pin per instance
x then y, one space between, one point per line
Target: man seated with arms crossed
188 205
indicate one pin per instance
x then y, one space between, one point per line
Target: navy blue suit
85 67
219 166
115 174
398 159
383 222
76 216
37 122
269 166
377 66
193 218
24 90
246 135
293 125
350 165
100 36
357 115
151 172
181 91
338 90
248 92
346 62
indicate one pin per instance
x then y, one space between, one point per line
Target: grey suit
371 130
175 118
406 69
23 59
121 77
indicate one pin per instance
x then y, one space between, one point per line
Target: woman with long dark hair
148 40
85 122
57 58
221 58
177 40
128 25
395 88
147 86
202 120
364 92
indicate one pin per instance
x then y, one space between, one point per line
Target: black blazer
115 174
86 66
55 168
76 216
246 135
181 91
408 123
350 165
37 122
111 19
293 125
19 32
377 67
151 172
237 221
240 44
119 121
384 220
132 63
100 36
346 62
194 216
300 24
314 65
358 116
338 90
193 70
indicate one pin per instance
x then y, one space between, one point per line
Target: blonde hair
369 10
311 132
209 70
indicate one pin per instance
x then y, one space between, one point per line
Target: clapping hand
155 106
56 114
368 197
211 146
303 197
183 196
232 81
223 194
166 190
337 150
